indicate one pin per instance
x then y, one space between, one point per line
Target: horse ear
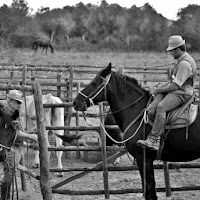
106 71
109 66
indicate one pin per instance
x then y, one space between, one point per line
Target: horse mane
127 83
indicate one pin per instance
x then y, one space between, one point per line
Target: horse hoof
60 175
115 163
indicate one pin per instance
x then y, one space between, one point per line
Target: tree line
91 27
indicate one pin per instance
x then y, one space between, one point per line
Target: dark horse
42 43
128 101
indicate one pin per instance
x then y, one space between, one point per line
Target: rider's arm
183 73
168 88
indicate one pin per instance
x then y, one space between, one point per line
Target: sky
168 8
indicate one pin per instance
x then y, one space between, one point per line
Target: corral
140 75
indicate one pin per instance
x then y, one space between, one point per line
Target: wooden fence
72 79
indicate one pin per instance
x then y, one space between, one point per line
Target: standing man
172 94
11 136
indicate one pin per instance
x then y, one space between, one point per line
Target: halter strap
98 90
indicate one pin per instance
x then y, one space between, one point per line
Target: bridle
102 87
98 90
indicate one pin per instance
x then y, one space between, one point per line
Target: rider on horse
173 93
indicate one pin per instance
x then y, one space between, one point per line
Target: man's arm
165 89
168 88
29 136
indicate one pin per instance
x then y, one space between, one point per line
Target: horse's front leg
59 153
36 162
150 179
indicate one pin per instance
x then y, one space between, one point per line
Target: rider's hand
152 91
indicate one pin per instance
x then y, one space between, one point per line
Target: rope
128 127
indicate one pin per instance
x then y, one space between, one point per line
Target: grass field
27 56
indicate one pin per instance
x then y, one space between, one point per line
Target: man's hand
33 137
152 91
24 135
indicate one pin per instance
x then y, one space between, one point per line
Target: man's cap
174 42
16 95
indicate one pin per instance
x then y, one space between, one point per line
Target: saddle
182 116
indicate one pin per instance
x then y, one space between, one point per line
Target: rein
144 119
127 105
103 87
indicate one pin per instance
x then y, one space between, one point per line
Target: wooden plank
45 184
80 148
122 191
130 168
4 86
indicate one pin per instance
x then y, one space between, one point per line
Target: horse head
95 91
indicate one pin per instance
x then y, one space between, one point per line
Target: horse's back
55 118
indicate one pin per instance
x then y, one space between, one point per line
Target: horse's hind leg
150 179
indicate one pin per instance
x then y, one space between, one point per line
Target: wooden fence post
69 99
58 84
165 164
22 162
78 155
104 154
128 42
11 80
45 184
167 178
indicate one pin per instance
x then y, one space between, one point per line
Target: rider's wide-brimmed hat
16 95
174 42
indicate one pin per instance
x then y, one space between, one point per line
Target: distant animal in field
45 44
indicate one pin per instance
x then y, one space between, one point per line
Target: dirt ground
94 180
117 180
